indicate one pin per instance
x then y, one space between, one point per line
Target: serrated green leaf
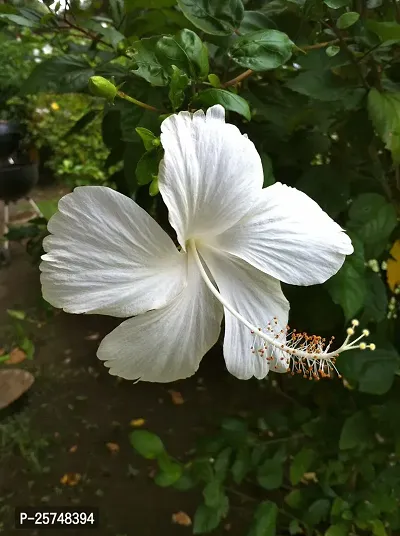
186 51
230 101
354 432
384 112
222 462
347 19
143 52
270 475
263 50
147 444
217 17
301 464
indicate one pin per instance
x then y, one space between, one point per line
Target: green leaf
386 31
263 50
294 499
207 519
332 51
318 511
214 80
255 20
336 4
169 475
150 140
242 464
378 377
147 168
354 432
269 178
179 82
337 530
384 112
348 287
270 475
18 315
214 495
217 17
295 527
347 19
222 462
327 187
376 300
264 522
147 444
301 464
82 122
28 347
378 528
148 4
186 51
374 371
373 219
61 74
230 101
17 19
143 53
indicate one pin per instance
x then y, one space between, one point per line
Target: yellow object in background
54 106
393 266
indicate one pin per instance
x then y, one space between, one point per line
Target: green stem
138 103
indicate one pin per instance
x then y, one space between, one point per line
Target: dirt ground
75 410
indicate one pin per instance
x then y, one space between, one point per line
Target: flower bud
100 87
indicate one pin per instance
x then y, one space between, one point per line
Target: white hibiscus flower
106 255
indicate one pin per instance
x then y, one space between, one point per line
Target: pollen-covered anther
305 354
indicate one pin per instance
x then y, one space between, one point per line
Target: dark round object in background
10 136
16 181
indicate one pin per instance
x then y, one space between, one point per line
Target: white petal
106 255
167 344
211 174
288 236
258 298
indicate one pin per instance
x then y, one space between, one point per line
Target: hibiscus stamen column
308 354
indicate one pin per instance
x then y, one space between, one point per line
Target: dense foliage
316 85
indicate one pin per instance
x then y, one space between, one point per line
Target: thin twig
238 79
